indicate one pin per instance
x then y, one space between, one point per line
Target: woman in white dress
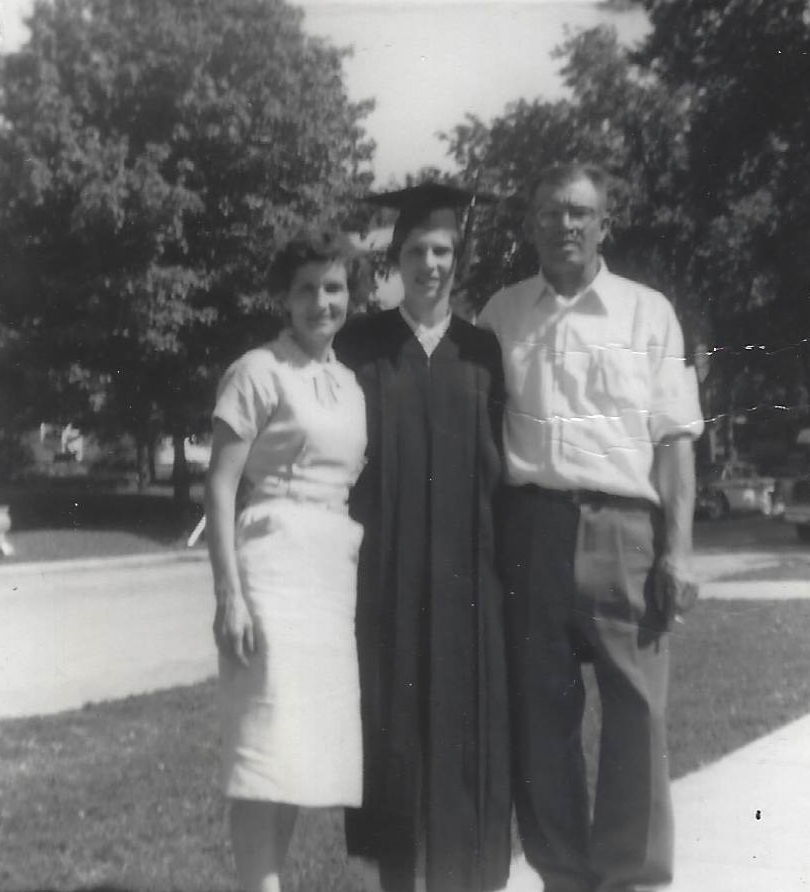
288 442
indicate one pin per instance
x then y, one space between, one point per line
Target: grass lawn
124 794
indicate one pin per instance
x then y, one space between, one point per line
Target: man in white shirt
600 420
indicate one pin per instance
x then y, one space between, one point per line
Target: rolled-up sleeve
675 403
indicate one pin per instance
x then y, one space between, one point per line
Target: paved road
71 633
748 532
77 631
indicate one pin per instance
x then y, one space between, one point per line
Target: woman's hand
233 628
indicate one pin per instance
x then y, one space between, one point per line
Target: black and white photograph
404 445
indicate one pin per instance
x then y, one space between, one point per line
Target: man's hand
675 590
233 628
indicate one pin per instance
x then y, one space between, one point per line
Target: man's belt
591 497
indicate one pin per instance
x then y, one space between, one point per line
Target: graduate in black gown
437 800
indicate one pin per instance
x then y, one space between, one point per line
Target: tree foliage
705 130
744 64
152 155
612 116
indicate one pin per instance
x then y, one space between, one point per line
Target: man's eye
572 211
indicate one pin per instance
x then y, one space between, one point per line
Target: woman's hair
409 219
321 246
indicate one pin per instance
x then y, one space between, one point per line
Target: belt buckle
591 498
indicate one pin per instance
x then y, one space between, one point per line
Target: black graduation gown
429 608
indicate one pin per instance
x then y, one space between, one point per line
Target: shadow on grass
77 505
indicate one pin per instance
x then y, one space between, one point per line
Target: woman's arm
233 629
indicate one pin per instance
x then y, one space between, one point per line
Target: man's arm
674 478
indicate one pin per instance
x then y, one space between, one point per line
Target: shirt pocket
624 374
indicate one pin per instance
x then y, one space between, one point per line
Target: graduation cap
428 197
416 203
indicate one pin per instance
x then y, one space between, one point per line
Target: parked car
730 486
797 508
792 498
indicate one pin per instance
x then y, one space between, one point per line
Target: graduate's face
427 259
317 301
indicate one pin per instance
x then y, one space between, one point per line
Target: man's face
567 224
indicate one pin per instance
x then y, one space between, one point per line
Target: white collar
598 286
297 353
420 328
429 336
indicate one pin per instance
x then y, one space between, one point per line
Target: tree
745 63
611 115
152 155
705 131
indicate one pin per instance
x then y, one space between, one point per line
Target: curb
44 568
758 590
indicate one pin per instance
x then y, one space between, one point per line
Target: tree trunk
143 465
180 475
804 364
150 458
711 438
729 444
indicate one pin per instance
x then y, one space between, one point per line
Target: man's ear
604 228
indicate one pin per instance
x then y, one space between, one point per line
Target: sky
427 63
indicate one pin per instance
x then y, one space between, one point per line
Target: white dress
291 720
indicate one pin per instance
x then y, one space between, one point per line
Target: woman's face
427 259
317 301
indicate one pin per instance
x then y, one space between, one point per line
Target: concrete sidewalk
742 823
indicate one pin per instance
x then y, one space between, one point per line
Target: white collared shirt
593 382
427 335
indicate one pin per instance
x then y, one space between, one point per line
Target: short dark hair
412 218
321 246
565 173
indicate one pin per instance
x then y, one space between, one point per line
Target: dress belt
338 505
590 497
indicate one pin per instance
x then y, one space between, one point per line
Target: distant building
72 441
57 442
